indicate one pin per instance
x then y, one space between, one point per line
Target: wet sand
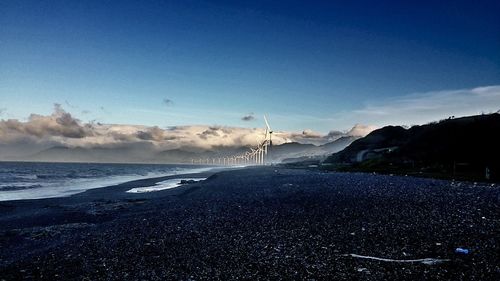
261 224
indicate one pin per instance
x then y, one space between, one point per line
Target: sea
34 180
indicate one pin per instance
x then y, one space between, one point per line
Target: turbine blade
267 124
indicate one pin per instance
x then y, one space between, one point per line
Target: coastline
257 222
51 180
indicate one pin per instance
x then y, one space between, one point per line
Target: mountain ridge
467 145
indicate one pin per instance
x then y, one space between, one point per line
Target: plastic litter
462 251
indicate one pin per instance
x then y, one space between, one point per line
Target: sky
318 66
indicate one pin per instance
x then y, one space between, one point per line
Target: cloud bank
61 129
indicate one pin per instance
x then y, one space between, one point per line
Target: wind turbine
256 156
267 142
268 129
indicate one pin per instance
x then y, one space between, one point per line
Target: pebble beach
265 223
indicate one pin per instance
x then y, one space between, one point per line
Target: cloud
153 133
248 117
310 134
61 129
333 135
306 136
360 130
59 124
422 108
168 102
312 137
210 132
2 110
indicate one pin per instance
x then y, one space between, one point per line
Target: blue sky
307 64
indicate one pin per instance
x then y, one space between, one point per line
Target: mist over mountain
147 153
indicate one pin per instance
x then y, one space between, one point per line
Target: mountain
291 149
384 138
338 144
316 153
139 154
188 155
146 152
467 145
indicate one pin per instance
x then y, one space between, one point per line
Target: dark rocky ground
258 224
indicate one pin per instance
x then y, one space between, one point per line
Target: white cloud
426 107
360 130
62 129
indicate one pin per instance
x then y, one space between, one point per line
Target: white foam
16 184
74 186
28 177
162 185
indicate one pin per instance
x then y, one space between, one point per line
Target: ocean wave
167 184
61 182
18 186
26 177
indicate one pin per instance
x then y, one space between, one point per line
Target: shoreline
77 187
26 208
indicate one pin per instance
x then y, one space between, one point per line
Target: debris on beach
428 261
462 251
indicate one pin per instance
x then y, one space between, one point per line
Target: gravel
261 224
